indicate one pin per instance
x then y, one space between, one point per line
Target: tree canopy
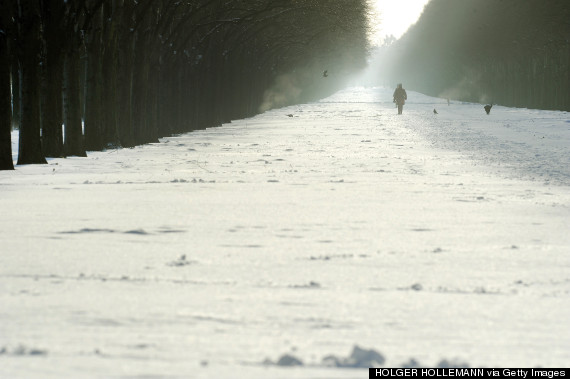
125 72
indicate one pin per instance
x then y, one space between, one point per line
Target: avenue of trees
126 72
510 52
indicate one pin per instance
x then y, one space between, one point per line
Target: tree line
127 72
510 52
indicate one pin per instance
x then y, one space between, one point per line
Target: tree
52 116
78 20
6 162
29 50
94 82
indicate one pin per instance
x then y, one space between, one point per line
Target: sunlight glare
394 17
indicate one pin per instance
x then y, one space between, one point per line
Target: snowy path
420 236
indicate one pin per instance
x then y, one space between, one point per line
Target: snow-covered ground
303 231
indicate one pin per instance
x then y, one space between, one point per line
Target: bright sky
395 16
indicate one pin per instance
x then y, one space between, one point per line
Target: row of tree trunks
535 82
123 73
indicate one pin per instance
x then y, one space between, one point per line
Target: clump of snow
284 361
452 364
362 358
180 262
289 360
417 287
358 358
22 350
444 363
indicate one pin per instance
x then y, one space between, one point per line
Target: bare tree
29 49
55 39
6 162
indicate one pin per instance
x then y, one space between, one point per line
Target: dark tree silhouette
52 116
127 72
5 93
93 110
28 50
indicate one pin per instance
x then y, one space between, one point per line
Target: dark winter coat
400 96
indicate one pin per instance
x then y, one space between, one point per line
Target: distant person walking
400 97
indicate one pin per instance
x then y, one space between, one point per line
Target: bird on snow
325 73
290 115
488 108
434 111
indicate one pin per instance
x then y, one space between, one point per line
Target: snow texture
273 246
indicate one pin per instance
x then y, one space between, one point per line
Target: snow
220 252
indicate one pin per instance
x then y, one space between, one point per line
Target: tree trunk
6 162
110 126
140 88
52 117
30 148
141 123
93 99
73 141
124 88
51 110
16 103
108 86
